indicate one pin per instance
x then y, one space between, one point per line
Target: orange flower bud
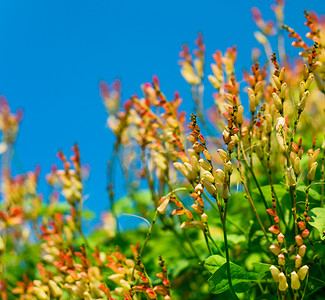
299 240
305 233
274 229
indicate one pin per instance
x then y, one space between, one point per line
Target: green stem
223 220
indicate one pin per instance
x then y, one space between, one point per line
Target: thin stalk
223 220
144 244
293 197
207 242
322 178
253 175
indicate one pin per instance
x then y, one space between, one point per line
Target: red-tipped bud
271 212
274 229
305 233
280 238
302 225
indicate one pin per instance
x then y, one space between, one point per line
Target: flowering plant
233 197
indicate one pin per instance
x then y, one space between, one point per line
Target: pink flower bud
281 259
280 238
274 229
276 249
298 261
299 240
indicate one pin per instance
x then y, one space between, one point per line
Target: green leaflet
241 279
317 219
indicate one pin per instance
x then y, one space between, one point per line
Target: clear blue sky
54 53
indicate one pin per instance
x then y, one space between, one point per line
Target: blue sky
54 53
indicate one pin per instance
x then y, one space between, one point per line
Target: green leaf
261 270
240 278
317 219
214 262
